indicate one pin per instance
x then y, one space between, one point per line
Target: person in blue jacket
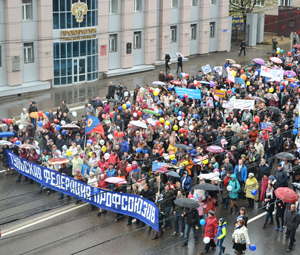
192 151
221 235
186 182
124 145
227 64
233 188
240 172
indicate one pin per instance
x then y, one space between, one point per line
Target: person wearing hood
210 230
186 182
192 151
201 143
251 184
281 176
233 193
221 234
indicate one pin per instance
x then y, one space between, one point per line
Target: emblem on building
79 9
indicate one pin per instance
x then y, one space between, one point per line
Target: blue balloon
281 87
254 192
181 74
174 161
180 113
195 161
47 114
57 127
89 141
202 222
293 50
295 131
196 196
181 97
40 123
169 88
120 108
282 162
17 142
96 191
216 103
138 150
252 247
128 105
64 132
289 76
196 116
160 111
293 85
154 142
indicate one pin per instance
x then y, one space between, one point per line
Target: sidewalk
77 94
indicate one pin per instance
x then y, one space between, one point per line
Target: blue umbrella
7 134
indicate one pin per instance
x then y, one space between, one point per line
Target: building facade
55 43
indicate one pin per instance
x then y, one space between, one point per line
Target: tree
247 6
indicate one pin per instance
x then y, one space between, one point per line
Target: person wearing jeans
269 200
178 211
221 235
192 218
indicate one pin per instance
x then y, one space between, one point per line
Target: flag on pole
94 125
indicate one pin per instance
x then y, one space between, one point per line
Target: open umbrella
286 195
162 169
292 79
116 180
236 65
258 99
259 61
163 87
2 142
273 109
27 146
231 61
288 72
186 202
70 127
158 83
7 134
138 123
181 146
215 149
164 53
207 187
272 97
151 112
276 60
177 54
172 173
204 82
35 115
296 46
57 161
285 156
176 82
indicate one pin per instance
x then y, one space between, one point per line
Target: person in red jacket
210 205
210 230
102 184
225 184
114 159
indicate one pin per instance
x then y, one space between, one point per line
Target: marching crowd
202 142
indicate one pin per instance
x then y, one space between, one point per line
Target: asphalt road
33 223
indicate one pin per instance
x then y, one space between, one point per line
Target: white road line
2 171
257 217
42 220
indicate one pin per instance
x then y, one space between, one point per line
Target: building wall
3 79
195 16
286 16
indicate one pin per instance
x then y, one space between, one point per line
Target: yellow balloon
271 89
175 127
172 156
124 106
277 52
69 153
248 83
167 123
205 162
161 120
90 154
233 73
103 148
155 93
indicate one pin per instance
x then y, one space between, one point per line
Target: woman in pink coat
264 185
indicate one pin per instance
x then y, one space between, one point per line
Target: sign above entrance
79 9
78 34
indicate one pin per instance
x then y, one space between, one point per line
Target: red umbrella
276 60
215 149
176 82
297 46
286 195
57 161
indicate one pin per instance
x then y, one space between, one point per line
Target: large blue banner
132 205
192 93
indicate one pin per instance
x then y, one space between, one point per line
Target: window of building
259 3
113 6
174 3
173 34
285 3
212 27
213 1
137 5
291 23
193 31
28 53
137 40
113 43
194 2
26 10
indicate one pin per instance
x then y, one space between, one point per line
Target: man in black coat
111 91
79 141
146 193
291 223
243 48
270 149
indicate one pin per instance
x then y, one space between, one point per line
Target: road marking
2 171
42 220
257 217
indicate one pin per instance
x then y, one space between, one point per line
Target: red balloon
256 119
283 83
290 64
298 90
181 130
187 75
8 121
103 116
157 123
15 139
150 90
121 134
185 96
227 80
56 121
289 53
277 88
231 69
185 142
116 133
147 121
242 71
139 113
229 91
111 114
190 196
183 115
245 127
129 168
249 70
40 113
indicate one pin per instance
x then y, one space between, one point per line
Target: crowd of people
202 141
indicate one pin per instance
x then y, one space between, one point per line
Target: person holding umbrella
178 211
192 218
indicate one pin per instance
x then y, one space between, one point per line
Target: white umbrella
177 54
138 124
158 83
164 53
2 142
